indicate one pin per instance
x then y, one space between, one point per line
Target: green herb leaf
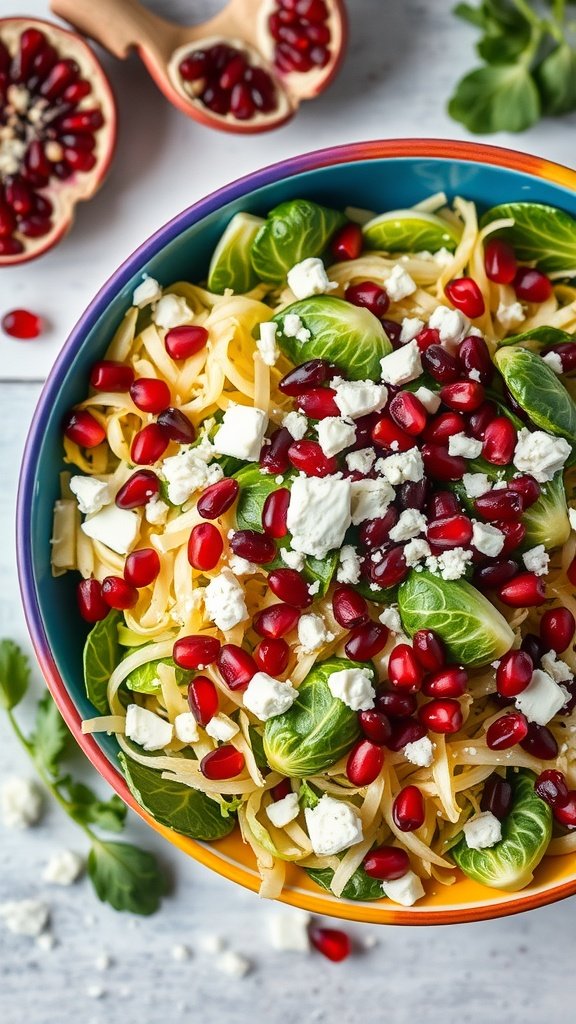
556 77
101 656
495 99
307 796
50 736
321 570
14 674
126 877
537 338
86 808
359 886
294 231
540 234
254 489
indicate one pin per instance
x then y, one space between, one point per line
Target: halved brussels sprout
317 730
350 336
359 887
540 234
230 266
526 832
538 391
537 338
474 631
546 521
292 232
410 231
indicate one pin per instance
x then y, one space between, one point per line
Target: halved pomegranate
305 41
57 133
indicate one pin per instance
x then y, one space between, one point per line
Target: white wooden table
404 57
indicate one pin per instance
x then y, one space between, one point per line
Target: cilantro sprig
528 49
123 875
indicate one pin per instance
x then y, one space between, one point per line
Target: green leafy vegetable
358 887
296 230
546 521
537 338
410 231
317 730
14 674
307 796
538 391
496 99
230 266
86 808
350 336
321 570
144 679
101 656
126 877
540 234
474 631
254 489
179 807
526 832
50 735
556 79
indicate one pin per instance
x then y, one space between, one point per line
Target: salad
320 509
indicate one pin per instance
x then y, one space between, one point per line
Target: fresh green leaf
321 570
473 15
307 796
538 391
495 99
257 744
144 679
86 808
296 230
179 807
544 235
537 338
556 78
14 674
101 656
359 887
410 231
49 737
254 489
501 46
126 877
230 266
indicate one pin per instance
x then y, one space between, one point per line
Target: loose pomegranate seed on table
552 787
138 489
203 699
557 627
275 513
223 763
386 863
465 295
20 323
404 672
500 261
176 426
349 607
118 593
82 428
370 296
375 726
142 567
532 285
193 652
500 439
148 445
364 763
429 650
507 731
443 716
91 604
218 498
205 547
333 943
318 403
347 242
365 642
514 673
255 547
290 586
236 666
451 681
150 394
311 374
272 656
408 809
497 796
183 342
276 621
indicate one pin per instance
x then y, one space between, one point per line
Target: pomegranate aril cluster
226 82
301 34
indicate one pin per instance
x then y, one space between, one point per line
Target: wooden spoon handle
118 25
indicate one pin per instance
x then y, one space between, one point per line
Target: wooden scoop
245 70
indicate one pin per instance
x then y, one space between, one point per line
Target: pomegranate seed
193 67
274 456
386 863
534 647
551 787
404 731
466 296
22 324
183 342
443 716
499 441
290 586
408 809
223 763
413 494
312 374
392 568
396 703
527 487
389 435
19 197
525 591
375 532
532 285
479 419
334 944
7 226
557 628
241 102
347 243
236 666
349 607
365 642
217 499
253 546
149 445
514 534
192 652
442 427
318 403
443 504
463 395
375 726
176 426
404 672
370 296
118 593
83 429
452 532
429 650
502 504
281 789
495 575
408 412
205 546
150 394
233 73
514 673
276 621
506 731
566 813
142 567
307 457
497 796
312 10
91 604
110 376
540 742
566 351
34 227
138 489
451 681
474 358
203 699
364 763
216 100
275 513
82 121
428 336
440 465
500 261
272 656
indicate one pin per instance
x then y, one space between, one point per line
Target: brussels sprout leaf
294 231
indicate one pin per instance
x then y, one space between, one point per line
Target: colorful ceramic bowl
376 175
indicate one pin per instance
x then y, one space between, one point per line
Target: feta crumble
172 311
353 686
468 447
476 484
156 511
308 278
333 825
510 315
540 454
542 698
410 524
554 362
483 831
405 890
289 931
241 566
283 811
291 325
488 539
293 559
267 697
420 752
335 434
451 325
390 617
63 868
266 344
319 513
186 473
186 728
450 565
399 284
241 433
224 601
356 398
402 365
415 550
402 466
146 292
116 528
147 729
430 399
369 499
559 671
349 567
90 493
411 327
537 560
296 423
363 460
312 632
25 917
221 728
233 964
21 802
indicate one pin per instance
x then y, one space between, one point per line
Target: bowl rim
208 854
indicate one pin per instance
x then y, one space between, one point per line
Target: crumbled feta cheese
266 343
362 461
420 752
293 559
296 423
410 524
474 375
21 802
399 285
209 943
488 539
411 327
115 527
172 311
402 365
554 362
510 315
91 494
241 433
415 550
356 398
46 942
186 728
147 729
335 434
450 565
156 511
289 931
241 566
63 868
468 447
291 325
319 513
146 292
572 517
402 466
405 890
333 826
537 560
180 953
354 687
222 728
476 484
370 499
24 917
559 671
233 964
308 278
186 473
314 588
390 617
267 697
542 698
312 632
430 399
224 601
349 567
483 831
451 325
540 454
283 811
